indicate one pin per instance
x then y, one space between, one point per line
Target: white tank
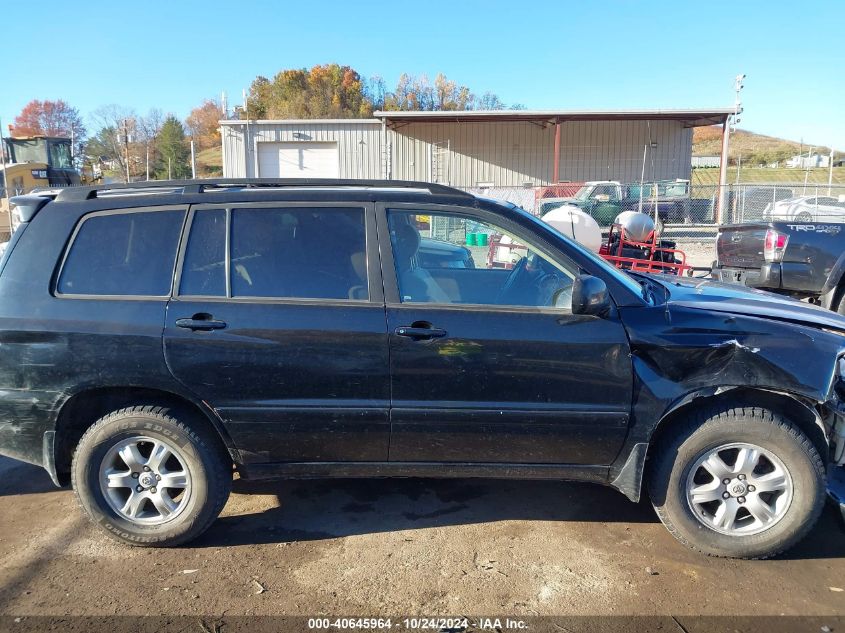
574 223
637 226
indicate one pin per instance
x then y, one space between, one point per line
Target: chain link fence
689 215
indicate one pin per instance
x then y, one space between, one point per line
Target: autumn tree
324 91
49 118
334 91
203 124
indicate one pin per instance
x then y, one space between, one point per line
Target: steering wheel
535 285
549 284
513 281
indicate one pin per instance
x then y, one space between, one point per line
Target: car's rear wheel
738 481
148 478
804 216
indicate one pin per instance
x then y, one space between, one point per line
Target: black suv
156 339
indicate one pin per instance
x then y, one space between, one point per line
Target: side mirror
590 296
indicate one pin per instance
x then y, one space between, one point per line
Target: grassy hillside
710 176
210 162
754 148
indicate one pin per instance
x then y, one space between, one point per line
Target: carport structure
543 147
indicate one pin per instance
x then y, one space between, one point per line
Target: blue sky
545 55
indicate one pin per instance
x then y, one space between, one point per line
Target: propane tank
576 224
637 226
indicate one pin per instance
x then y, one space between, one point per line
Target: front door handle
419 333
200 321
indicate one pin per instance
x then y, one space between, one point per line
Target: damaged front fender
685 357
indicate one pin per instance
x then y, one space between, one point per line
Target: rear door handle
200 321
419 333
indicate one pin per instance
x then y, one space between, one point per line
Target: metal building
470 149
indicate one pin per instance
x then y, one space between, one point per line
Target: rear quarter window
122 254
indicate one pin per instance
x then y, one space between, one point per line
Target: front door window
454 259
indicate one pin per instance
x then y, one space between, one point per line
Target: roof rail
76 194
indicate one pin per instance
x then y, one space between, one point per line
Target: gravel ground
392 547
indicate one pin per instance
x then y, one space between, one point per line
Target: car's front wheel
738 481
148 478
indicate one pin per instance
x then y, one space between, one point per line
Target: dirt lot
391 547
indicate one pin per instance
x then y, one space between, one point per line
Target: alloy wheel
145 480
738 489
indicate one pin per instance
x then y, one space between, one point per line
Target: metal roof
691 117
298 121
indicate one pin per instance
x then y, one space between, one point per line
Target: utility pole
730 121
193 161
830 172
5 180
126 146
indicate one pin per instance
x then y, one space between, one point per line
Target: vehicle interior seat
415 283
358 260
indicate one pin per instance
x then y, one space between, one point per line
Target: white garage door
298 160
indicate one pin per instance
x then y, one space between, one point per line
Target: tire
189 457
726 431
803 216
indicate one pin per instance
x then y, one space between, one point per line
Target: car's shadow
20 478
314 510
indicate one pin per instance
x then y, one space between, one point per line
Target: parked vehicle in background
804 260
753 203
605 199
439 254
294 329
808 209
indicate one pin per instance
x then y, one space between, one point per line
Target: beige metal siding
506 154
613 150
359 145
513 154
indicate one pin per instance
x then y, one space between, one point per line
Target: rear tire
148 479
738 520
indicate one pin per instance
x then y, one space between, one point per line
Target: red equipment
651 256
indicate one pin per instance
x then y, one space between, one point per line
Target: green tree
173 150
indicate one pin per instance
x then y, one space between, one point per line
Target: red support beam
556 158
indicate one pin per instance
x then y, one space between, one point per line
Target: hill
755 149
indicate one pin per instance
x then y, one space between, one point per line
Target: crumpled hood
706 294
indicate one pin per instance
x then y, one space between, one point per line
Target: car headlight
39 173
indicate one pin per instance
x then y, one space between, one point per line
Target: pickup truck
605 199
804 260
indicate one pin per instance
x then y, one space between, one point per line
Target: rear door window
281 253
129 253
204 266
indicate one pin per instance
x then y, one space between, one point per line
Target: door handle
419 333
200 321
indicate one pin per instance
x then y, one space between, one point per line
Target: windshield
623 278
28 151
583 192
60 157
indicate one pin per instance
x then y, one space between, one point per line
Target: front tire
738 481
148 479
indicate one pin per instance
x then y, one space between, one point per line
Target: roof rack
183 187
